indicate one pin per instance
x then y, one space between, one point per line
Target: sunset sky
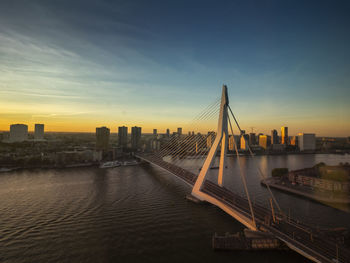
76 65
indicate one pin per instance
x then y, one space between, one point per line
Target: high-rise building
264 141
245 142
252 139
284 135
155 132
18 132
238 141
167 133
274 137
210 138
307 141
39 131
123 136
102 138
179 131
135 138
232 141
294 141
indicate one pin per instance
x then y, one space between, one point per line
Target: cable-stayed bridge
306 240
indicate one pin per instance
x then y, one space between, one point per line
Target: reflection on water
135 213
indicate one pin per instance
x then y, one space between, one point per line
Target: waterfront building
307 141
312 177
264 141
18 132
238 141
284 135
210 138
278 147
167 133
135 138
252 139
39 131
155 132
231 143
102 138
123 136
245 142
235 139
179 131
294 141
274 137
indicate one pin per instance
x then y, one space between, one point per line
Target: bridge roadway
304 239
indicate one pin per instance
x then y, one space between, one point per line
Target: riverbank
11 169
307 192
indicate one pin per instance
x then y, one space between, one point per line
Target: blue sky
75 65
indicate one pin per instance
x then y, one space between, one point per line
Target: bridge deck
304 239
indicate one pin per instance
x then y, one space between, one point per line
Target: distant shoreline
11 169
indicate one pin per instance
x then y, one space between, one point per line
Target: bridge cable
174 141
262 176
242 175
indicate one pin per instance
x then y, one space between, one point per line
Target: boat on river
110 164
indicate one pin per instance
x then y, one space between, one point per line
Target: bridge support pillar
221 138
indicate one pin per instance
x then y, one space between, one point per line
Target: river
139 213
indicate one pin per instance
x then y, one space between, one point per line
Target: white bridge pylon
222 137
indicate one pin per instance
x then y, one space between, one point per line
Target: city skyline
132 64
116 129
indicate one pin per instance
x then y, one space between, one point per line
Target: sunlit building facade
284 135
210 138
264 141
245 142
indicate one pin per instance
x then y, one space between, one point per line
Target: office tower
252 139
294 141
284 135
231 144
307 141
274 137
123 136
135 138
102 138
39 131
155 132
245 142
264 141
238 141
179 131
235 139
210 138
18 132
167 133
